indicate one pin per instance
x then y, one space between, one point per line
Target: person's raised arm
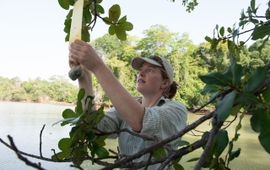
129 109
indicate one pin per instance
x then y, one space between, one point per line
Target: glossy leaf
120 33
266 95
127 26
64 144
225 106
261 31
208 39
181 143
159 153
81 94
101 152
112 30
237 72
234 154
215 78
222 141
221 31
114 13
264 139
256 80
64 4
68 113
178 166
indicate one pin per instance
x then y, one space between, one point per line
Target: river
23 121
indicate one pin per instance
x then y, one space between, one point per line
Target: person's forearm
129 109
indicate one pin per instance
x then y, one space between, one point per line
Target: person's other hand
82 53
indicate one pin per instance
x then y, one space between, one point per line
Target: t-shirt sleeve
164 121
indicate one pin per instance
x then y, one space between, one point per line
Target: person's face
150 80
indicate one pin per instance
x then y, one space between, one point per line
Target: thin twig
19 155
40 141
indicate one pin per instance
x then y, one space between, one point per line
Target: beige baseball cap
137 63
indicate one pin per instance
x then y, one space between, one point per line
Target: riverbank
47 102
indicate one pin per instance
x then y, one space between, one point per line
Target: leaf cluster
92 10
83 140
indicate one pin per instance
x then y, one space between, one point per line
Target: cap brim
137 62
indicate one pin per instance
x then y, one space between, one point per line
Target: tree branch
188 128
40 141
19 155
213 132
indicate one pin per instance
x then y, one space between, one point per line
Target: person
154 114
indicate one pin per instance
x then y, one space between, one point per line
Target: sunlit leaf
64 144
68 113
114 13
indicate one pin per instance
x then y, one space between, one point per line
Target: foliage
92 10
57 89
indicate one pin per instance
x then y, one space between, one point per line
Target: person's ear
165 84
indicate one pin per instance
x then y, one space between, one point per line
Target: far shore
47 102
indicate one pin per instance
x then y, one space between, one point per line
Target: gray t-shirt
161 121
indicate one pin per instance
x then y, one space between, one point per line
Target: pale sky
32 39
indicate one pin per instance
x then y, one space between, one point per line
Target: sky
32 38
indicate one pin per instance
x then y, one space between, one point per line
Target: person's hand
82 53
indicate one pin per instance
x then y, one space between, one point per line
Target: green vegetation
189 62
56 89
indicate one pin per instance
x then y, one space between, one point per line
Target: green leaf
215 78
266 95
159 153
181 143
107 20
237 72
61 156
193 159
229 30
178 166
101 152
225 106
64 144
120 33
260 120
64 4
85 34
252 5
111 30
256 80
234 154
123 19
247 99
208 39
222 141
127 26
261 31
68 113
81 94
87 17
221 31
264 139
114 13
100 9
